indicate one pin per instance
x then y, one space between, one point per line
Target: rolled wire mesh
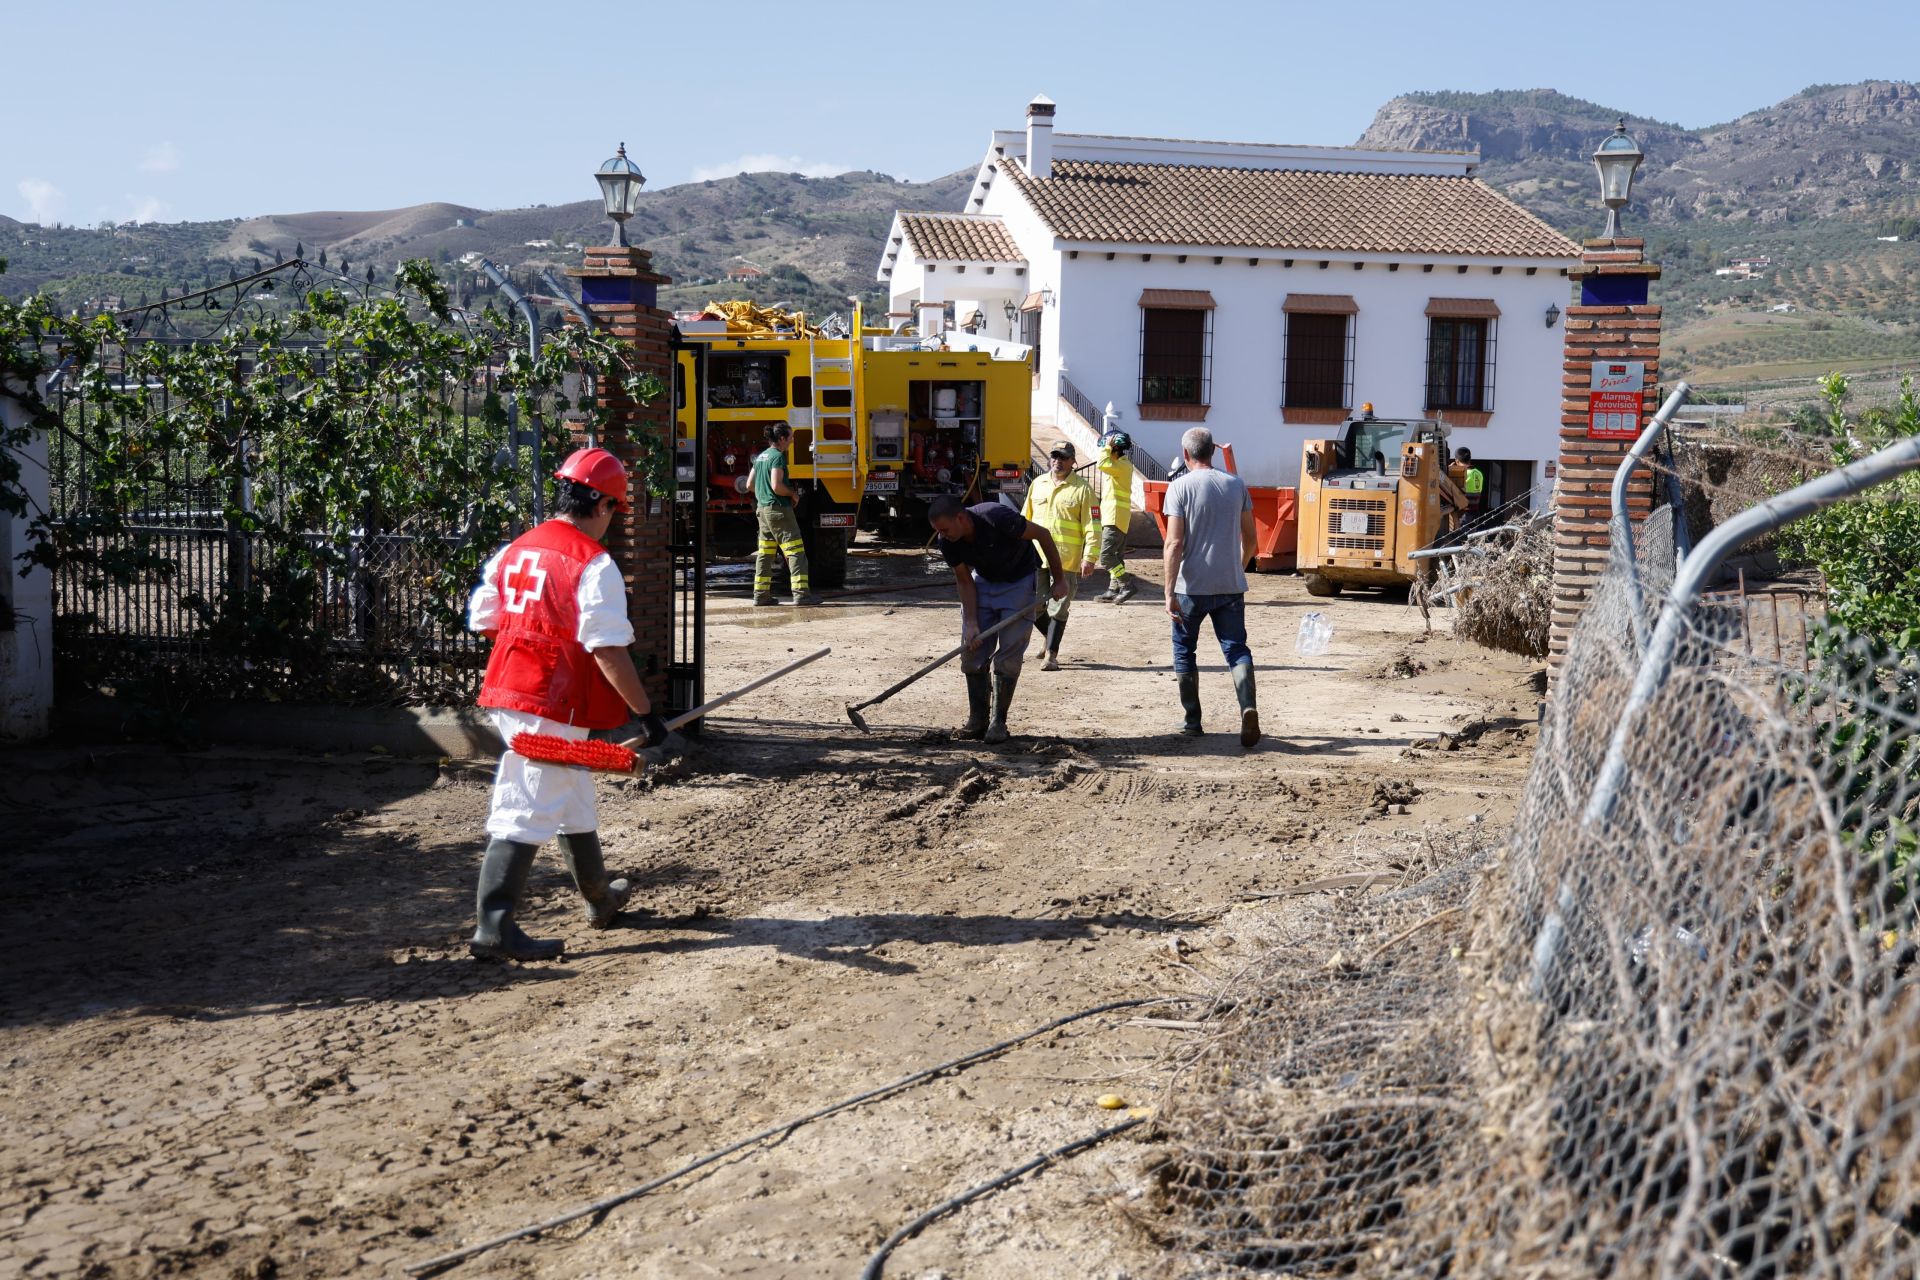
1680 1040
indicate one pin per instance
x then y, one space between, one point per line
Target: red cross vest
538 664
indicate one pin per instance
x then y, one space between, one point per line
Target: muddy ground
241 1036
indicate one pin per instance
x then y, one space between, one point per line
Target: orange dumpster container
1275 522
1276 529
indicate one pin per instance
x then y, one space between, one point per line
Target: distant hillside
1829 151
816 240
1811 184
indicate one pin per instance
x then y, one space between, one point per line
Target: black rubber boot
979 699
1190 702
1003 687
604 897
503 878
1249 712
1054 633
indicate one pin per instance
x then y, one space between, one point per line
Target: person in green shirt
1473 483
779 526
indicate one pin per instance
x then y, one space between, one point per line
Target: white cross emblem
523 583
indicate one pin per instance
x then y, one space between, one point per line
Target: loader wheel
1318 585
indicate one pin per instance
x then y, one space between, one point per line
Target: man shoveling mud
555 606
990 547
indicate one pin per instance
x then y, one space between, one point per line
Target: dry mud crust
242 1038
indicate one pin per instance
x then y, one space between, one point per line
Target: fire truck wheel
828 559
1321 586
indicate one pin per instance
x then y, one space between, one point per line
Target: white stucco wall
26 652
1097 331
1044 260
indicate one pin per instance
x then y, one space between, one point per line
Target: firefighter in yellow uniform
1061 503
1116 514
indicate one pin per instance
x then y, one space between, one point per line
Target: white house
1267 291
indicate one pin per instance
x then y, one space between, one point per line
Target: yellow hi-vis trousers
780 535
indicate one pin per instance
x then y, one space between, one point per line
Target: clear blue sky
206 109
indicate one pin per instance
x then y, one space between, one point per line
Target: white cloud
44 200
765 162
161 158
145 209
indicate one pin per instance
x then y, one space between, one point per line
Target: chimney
1040 137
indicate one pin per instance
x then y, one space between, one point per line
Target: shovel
855 708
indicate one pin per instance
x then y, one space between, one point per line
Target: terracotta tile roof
1463 307
1303 210
1326 304
961 237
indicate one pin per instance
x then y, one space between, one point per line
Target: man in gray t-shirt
1209 538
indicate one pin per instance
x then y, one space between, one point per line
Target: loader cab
1368 498
1371 444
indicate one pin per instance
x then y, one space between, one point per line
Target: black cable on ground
878 1262
599 1207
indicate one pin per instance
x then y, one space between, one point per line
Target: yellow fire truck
881 424
1370 498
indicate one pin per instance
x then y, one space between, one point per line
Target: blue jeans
1229 614
997 601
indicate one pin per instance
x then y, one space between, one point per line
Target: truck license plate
883 482
1353 523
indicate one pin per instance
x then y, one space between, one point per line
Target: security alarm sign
1613 405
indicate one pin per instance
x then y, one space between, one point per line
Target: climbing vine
356 454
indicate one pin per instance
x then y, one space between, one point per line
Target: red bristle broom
620 757
583 753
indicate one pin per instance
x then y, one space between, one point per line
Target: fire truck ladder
834 447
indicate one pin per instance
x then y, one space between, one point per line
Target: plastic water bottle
1316 633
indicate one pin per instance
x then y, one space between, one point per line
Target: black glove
653 730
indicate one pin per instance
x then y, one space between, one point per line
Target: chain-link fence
1670 1027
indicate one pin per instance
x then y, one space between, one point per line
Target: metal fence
1668 1026
204 583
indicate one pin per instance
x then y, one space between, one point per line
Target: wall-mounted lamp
1010 309
1553 314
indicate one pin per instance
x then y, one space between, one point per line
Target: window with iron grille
1460 363
1176 349
1319 360
1030 334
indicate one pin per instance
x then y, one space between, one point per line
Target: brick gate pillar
620 289
1612 322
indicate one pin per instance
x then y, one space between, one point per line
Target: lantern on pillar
620 182
1616 160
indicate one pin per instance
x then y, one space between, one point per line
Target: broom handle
721 701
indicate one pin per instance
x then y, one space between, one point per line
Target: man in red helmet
555 605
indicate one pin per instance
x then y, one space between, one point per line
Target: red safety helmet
600 471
